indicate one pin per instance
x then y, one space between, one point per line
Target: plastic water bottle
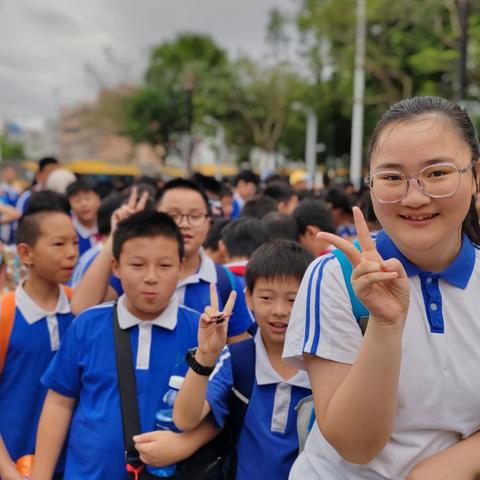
164 421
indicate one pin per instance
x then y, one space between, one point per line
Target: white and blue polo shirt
84 262
268 442
85 369
194 292
438 397
34 340
87 237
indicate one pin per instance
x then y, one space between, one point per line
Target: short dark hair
179 183
146 224
338 199
107 207
29 226
243 236
45 161
47 200
277 260
247 176
208 183
258 207
280 227
312 211
279 191
80 185
215 233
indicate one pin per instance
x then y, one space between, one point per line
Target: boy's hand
156 448
381 285
212 329
133 205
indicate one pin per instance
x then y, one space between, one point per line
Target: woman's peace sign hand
213 326
381 285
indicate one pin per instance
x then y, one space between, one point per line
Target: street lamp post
310 141
356 146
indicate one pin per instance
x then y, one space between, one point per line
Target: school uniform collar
206 271
33 312
82 230
265 373
458 273
167 319
238 198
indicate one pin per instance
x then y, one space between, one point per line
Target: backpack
7 317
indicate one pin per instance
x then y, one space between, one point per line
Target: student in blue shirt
83 397
47 245
268 441
187 203
84 202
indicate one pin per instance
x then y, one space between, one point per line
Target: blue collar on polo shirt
458 273
82 230
265 374
205 272
167 319
33 312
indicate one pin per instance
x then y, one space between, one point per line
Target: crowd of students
253 294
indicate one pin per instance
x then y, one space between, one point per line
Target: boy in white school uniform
267 441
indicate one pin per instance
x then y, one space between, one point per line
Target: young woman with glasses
402 401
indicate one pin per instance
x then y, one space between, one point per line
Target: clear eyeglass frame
193 219
407 178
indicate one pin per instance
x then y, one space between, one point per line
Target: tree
10 150
412 49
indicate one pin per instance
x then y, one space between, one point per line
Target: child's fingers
366 282
144 437
364 239
365 267
214 297
142 202
230 303
348 248
394 265
132 199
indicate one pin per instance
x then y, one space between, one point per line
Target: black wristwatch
195 366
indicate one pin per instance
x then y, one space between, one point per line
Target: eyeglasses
437 181
193 219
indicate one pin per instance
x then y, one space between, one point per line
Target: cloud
46 45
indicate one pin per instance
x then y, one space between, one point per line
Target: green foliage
10 150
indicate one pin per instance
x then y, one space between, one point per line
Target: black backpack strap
243 371
128 395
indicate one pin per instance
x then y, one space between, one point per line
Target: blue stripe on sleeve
319 266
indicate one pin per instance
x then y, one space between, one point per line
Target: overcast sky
45 45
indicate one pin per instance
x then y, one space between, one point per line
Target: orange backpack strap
68 291
7 316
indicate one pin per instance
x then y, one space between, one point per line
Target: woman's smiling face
426 230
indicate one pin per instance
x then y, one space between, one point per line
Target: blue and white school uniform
85 369
87 237
268 442
84 262
34 340
438 397
194 292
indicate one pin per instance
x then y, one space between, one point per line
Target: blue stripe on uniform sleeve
316 334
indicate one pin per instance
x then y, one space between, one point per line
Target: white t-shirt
439 389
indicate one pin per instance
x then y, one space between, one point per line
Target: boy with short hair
187 203
267 443
245 186
83 397
84 202
33 322
313 216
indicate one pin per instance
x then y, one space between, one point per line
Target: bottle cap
176 382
